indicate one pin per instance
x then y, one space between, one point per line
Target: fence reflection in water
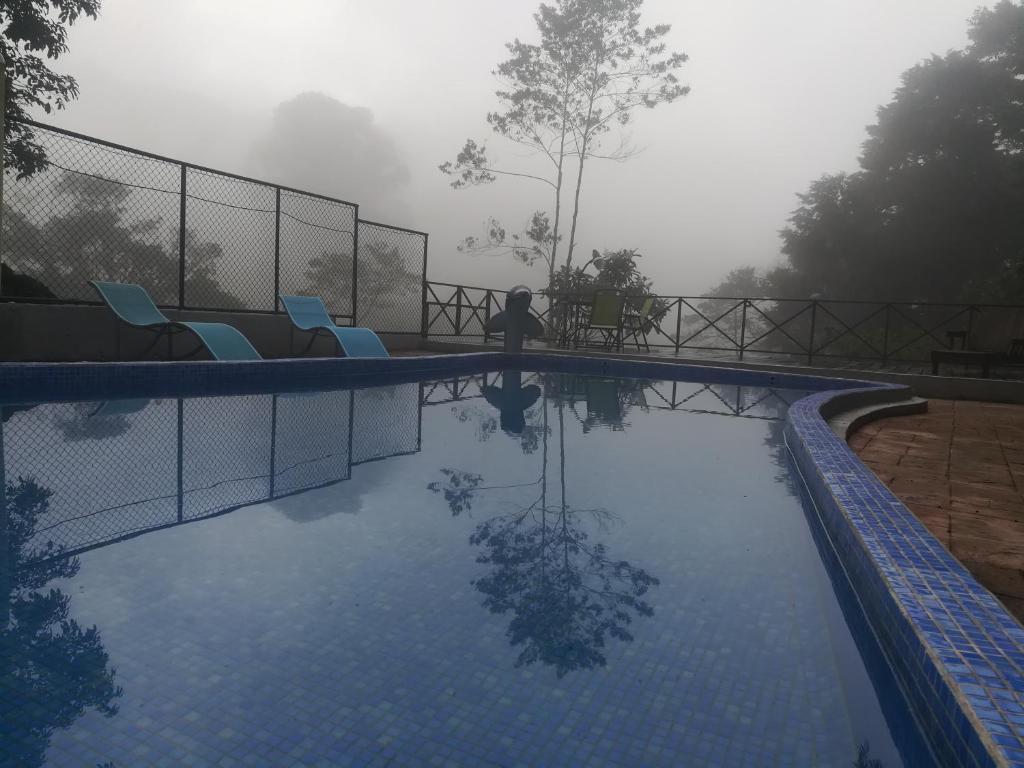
117 469
120 468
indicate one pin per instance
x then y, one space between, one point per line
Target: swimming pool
492 568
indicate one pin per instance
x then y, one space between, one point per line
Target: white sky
781 93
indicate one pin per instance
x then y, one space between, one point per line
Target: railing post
679 322
458 311
487 314
743 328
970 326
181 237
424 314
277 247
885 336
355 268
810 341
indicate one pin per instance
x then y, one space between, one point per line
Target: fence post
424 313
273 442
277 248
885 337
6 564
355 269
3 145
810 342
679 322
181 237
970 326
181 459
743 329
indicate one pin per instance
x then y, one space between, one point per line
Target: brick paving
960 469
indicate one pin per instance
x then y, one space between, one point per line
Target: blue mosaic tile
955 649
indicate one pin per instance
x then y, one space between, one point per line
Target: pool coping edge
956 651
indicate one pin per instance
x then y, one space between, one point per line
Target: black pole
277 246
679 322
419 420
743 328
458 311
355 269
181 238
3 100
424 314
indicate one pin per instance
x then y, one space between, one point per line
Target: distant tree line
92 236
935 213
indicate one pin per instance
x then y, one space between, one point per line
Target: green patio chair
132 305
637 322
309 314
605 319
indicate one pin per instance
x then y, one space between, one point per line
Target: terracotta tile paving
960 469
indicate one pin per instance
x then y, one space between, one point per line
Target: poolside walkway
960 469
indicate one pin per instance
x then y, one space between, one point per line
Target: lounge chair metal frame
637 320
147 317
309 314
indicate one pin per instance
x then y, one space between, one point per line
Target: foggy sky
781 94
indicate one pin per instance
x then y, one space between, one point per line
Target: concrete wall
60 333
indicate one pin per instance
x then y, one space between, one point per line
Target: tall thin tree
593 66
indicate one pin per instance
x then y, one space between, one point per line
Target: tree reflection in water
51 669
565 593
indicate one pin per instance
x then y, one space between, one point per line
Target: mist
363 101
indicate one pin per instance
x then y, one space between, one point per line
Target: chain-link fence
392 270
198 238
91 473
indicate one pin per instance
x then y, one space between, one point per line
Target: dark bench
963 357
1012 358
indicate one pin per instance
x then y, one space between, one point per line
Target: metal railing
197 238
804 330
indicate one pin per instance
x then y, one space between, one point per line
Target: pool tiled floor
960 469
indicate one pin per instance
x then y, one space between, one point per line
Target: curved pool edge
957 652
39 382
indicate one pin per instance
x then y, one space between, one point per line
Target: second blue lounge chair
308 313
132 305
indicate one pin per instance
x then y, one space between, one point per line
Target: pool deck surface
960 469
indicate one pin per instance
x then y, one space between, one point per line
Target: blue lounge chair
132 305
308 313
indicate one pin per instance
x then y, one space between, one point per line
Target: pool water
491 570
